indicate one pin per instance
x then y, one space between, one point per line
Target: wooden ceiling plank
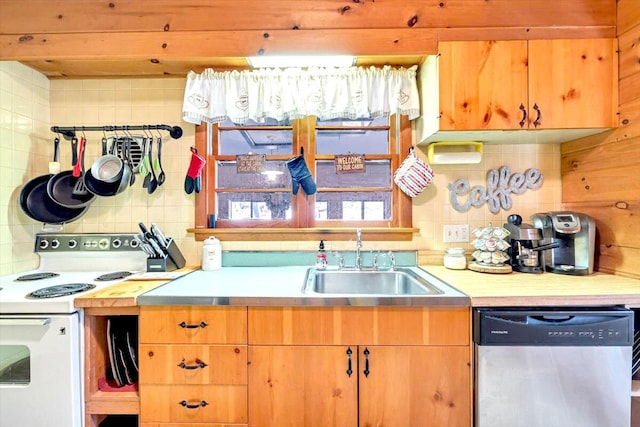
216 44
75 16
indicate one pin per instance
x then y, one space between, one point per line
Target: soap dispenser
321 257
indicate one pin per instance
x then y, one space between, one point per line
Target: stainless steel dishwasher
553 367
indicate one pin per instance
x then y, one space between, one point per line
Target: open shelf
99 404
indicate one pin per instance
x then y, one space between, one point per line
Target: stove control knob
44 244
55 244
116 243
73 243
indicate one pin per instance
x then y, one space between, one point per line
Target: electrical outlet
456 233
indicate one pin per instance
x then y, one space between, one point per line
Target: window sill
289 234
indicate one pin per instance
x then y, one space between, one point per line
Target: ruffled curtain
353 92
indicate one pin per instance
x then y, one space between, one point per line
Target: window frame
304 226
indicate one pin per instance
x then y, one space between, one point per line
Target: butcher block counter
485 290
526 289
125 294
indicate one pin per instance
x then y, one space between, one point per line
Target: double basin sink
398 282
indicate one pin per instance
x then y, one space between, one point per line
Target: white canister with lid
211 254
455 259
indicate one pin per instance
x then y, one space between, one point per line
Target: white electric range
41 332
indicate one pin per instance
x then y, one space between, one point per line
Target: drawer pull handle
188 405
185 325
200 365
349 353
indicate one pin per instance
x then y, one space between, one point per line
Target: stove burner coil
113 276
60 290
35 276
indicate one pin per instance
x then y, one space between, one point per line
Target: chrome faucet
358 247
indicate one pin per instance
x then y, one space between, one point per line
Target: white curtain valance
353 92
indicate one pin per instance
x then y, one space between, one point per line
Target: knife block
172 260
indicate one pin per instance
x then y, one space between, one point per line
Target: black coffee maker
525 248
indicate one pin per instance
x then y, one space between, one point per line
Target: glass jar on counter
455 259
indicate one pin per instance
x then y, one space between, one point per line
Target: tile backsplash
30 104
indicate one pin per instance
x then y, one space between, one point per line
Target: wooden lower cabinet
295 386
193 366
355 366
305 367
321 386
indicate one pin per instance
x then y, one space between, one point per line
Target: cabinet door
302 386
573 83
415 386
482 84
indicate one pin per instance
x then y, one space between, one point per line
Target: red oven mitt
193 180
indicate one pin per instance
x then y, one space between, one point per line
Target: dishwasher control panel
588 326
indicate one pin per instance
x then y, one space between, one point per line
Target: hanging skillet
67 188
36 203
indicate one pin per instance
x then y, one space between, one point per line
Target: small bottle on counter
455 259
321 257
211 254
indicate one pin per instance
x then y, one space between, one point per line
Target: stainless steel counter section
281 286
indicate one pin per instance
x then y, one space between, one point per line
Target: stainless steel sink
398 282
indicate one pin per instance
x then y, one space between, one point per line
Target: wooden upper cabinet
537 84
482 84
574 83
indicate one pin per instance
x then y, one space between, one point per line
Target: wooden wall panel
628 15
629 47
601 173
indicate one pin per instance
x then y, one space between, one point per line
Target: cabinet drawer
193 364
193 403
359 325
193 325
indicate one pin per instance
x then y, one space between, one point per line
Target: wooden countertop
123 294
521 289
485 290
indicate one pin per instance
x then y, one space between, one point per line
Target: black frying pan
36 203
61 187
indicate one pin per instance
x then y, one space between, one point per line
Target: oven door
40 377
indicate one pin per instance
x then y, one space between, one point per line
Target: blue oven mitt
300 175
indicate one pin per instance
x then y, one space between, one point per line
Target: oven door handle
21 321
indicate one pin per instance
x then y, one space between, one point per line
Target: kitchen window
261 198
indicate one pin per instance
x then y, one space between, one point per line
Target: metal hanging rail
69 132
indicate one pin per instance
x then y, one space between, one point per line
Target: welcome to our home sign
497 193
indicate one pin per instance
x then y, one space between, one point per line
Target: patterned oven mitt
193 180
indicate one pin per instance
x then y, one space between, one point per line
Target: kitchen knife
159 236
